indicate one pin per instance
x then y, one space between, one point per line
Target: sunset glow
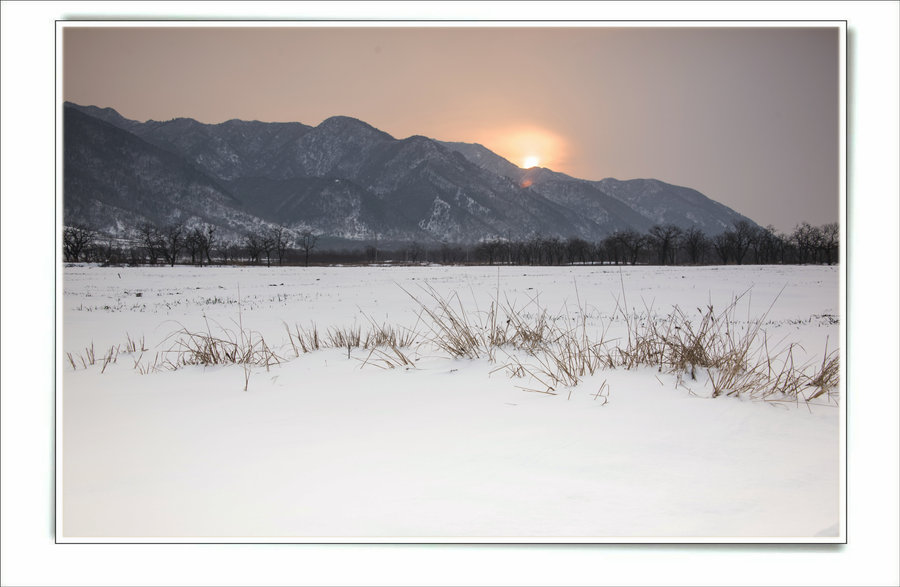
531 161
458 86
527 146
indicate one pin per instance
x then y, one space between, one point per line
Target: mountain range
344 179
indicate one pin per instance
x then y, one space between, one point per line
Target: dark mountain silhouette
112 179
344 178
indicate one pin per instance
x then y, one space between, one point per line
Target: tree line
664 244
151 244
668 244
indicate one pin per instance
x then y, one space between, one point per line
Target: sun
531 161
525 146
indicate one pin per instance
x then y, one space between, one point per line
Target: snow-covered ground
321 446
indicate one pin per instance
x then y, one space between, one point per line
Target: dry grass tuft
826 378
227 348
307 340
555 351
555 354
733 354
453 330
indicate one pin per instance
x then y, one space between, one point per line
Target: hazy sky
748 116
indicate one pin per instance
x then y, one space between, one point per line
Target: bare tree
135 255
308 241
665 240
766 245
445 253
553 250
106 251
151 241
696 244
806 238
632 243
209 242
414 251
734 244
253 243
226 251
528 251
613 247
490 250
172 238
268 246
578 250
77 240
830 241
743 235
193 242
280 242
723 244
260 243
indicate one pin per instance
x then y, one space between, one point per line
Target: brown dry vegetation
711 347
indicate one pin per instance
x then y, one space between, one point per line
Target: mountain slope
228 150
640 203
346 178
664 203
113 179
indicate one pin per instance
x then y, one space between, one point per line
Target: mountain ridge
347 178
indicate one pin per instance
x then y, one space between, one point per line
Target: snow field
319 447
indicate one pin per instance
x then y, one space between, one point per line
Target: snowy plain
322 447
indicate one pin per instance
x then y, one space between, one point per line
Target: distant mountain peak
348 123
341 119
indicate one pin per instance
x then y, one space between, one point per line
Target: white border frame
841 538
29 555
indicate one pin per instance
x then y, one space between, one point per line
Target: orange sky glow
519 144
748 116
